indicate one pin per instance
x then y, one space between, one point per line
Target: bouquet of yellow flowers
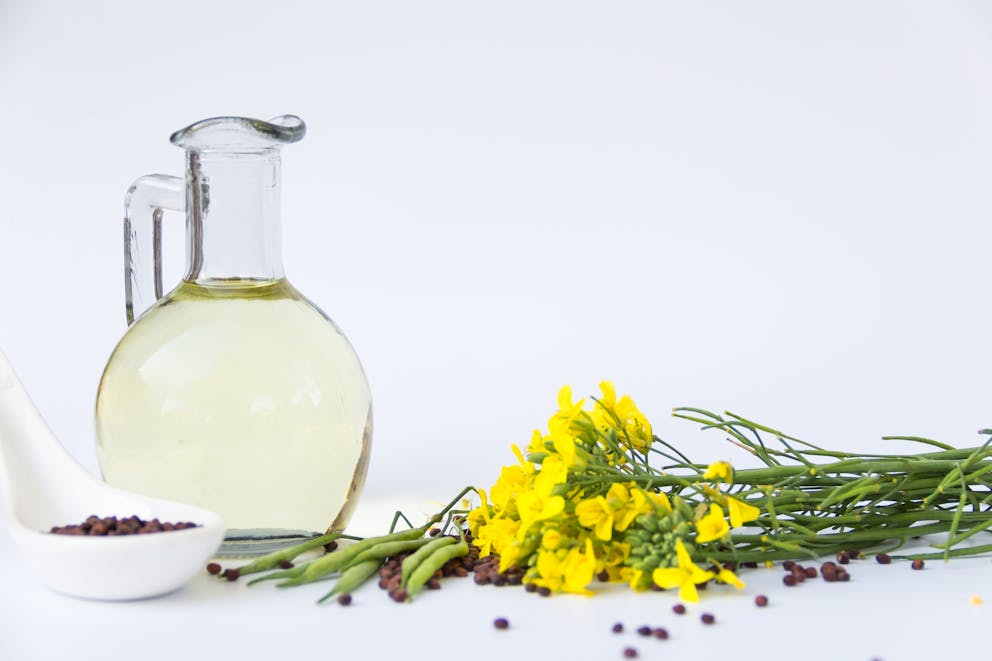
585 502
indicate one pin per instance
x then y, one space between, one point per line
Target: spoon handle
32 461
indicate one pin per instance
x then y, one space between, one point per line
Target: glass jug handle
149 196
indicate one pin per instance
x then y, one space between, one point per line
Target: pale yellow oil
241 397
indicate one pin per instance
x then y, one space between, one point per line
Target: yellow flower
511 482
480 515
719 470
729 577
609 398
616 554
741 512
534 506
686 576
712 526
553 472
536 443
604 414
635 426
496 535
616 510
567 409
525 465
660 501
550 539
511 553
564 444
634 578
571 573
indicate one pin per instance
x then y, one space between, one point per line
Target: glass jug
233 391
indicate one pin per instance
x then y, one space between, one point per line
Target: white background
781 208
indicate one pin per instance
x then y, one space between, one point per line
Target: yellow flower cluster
580 505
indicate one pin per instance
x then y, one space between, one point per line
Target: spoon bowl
42 486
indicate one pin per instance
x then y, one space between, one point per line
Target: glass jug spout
240 134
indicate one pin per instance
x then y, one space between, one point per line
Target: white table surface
885 612
777 207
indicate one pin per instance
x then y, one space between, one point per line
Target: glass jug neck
232 217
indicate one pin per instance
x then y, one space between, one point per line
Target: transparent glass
232 391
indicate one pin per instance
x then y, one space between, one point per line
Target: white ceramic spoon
42 486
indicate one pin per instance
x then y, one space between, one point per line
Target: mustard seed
918 563
344 599
679 609
883 559
761 601
644 630
789 580
501 623
629 653
618 627
213 568
231 574
707 618
660 633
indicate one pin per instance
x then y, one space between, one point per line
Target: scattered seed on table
810 572
883 558
530 587
501 623
761 601
789 580
618 627
213 568
286 564
843 576
679 609
544 591
629 653
231 574
788 565
843 557
644 630
331 546
918 563
660 633
434 532
708 618
344 599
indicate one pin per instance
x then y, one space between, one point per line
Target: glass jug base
246 543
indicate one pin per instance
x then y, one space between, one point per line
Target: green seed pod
341 558
411 562
431 564
353 578
388 549
272 560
